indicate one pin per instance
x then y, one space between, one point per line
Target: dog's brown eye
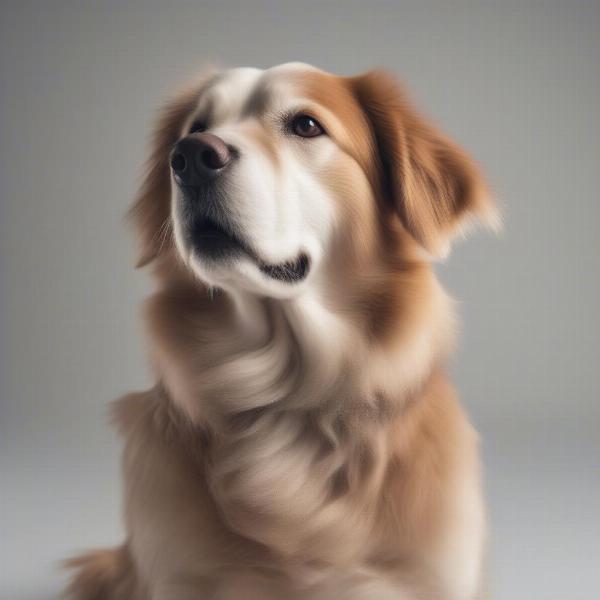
198 126
306 126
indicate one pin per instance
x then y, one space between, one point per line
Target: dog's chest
230 532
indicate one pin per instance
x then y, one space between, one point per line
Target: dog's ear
435 186
151 210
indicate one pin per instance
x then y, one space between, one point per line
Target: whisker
165 232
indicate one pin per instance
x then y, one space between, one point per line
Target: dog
303 440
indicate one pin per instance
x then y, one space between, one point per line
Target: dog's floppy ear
435 186
150 212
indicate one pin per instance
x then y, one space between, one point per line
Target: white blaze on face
273 193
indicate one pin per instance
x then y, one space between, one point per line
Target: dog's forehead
250 91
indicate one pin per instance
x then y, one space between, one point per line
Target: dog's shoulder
151 414
135 410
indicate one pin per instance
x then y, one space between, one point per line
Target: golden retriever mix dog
302 440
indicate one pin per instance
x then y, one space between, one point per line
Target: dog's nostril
213 159
178 162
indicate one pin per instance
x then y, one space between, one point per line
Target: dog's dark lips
291 271
213 241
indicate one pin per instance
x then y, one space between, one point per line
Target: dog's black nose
199 157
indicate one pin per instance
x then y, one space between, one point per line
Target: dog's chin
222 258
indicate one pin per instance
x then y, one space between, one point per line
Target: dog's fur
302 440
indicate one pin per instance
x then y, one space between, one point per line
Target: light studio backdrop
517 83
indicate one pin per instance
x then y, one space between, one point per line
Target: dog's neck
219 354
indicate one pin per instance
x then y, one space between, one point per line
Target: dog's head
270 180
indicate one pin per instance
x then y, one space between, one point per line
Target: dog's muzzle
197 162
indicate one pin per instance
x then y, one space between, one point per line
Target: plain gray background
517 83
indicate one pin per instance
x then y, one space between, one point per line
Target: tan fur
273 460
103 575
433 183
